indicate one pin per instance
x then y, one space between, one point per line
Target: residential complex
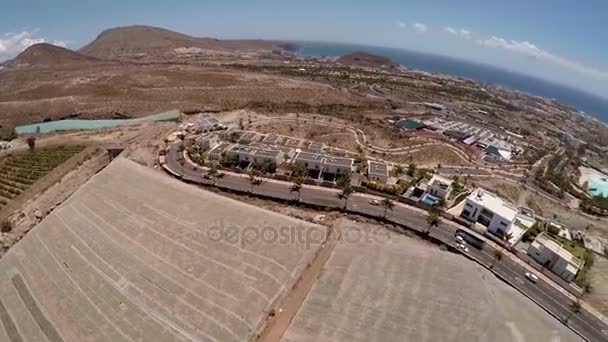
256 155
549 253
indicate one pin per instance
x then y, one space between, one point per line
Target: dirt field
150 264
331 136
598 297
427 156
393 288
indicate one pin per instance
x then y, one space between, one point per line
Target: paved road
545 294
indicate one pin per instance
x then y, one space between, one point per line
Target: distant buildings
317 162
549 253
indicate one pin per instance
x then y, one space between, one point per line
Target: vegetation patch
19 171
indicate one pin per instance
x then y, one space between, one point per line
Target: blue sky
560 40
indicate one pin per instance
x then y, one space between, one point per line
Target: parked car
532 277
459 239
374 202
463 247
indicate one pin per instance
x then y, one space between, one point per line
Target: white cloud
401 24
466 34
13 43
450 30
528 49
420 27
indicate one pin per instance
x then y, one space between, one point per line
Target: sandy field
379 287
164 261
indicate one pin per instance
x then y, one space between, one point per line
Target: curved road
545 294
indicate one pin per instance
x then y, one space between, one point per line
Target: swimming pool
598 184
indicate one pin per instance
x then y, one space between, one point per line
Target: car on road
532 277
459 238
374 202
463 247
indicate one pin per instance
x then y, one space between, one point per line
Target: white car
374 202
463 247
459 238
532 277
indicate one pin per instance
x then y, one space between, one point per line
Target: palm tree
297 186
497 256
213 173
345 194
433 219
388 204
254 180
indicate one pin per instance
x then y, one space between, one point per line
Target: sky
563 41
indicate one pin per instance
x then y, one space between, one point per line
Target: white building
338 165
206 143
549 253
491 211
310 161
377 171
439 186
256 155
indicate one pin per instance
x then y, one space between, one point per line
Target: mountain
364 59
48 55
141 42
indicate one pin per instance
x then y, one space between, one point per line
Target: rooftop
339 161
376 168
220 148
310 157
440 182
493 203
549 243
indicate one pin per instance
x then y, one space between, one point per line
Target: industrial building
549 253
377 171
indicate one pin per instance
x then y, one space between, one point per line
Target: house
549 253
256 155
377 171
271 139
338 165
216 152
439 186
248 138
310 161
206 143
491 211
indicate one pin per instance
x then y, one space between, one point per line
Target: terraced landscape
19 171
163 261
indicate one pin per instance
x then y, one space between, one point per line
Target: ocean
582 101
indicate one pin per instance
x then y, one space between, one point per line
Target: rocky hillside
146 42
48 55
368 60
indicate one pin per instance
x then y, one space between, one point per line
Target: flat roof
493 203
267 153
271 138
339 161
440 181
316 157
220 148
377 168
248 136
552 245
316 146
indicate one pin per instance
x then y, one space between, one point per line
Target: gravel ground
379 287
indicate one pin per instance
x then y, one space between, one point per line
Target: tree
398 170
345 194
297 185
388 204
7 133
31 142
6 226
254 180
497 256
343 181
213 172
411 170
432 219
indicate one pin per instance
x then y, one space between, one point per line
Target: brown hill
144 42
364 59
48 55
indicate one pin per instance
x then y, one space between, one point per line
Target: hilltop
48 55
364 59
141 42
